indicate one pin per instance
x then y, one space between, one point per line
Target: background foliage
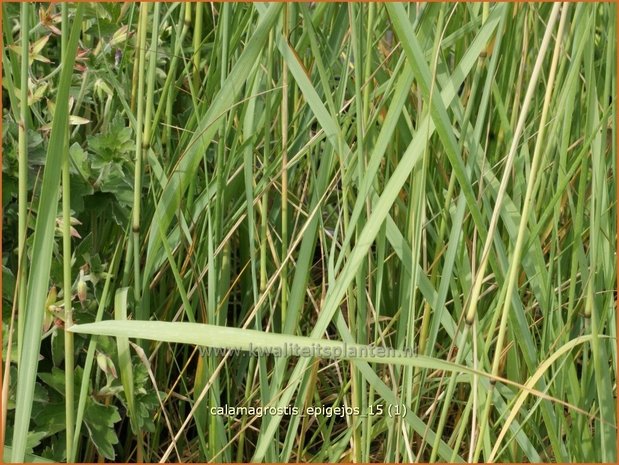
433 177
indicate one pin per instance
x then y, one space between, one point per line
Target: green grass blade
38 278
178 181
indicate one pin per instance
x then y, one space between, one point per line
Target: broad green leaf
100 419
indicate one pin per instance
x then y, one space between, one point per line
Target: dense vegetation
439 179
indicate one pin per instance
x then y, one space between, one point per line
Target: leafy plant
185 181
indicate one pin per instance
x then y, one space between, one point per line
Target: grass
419 196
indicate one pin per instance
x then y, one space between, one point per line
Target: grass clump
419 199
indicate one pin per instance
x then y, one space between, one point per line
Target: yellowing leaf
38 45
77 120
120 35
38 94
39 57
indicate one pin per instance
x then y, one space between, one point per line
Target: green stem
514 263
137 190
43 245
197 39
23 179
284 115
66 255
479 277
166 101
358 323
92 346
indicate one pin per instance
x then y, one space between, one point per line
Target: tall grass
433 179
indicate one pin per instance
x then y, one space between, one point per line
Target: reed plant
403 213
